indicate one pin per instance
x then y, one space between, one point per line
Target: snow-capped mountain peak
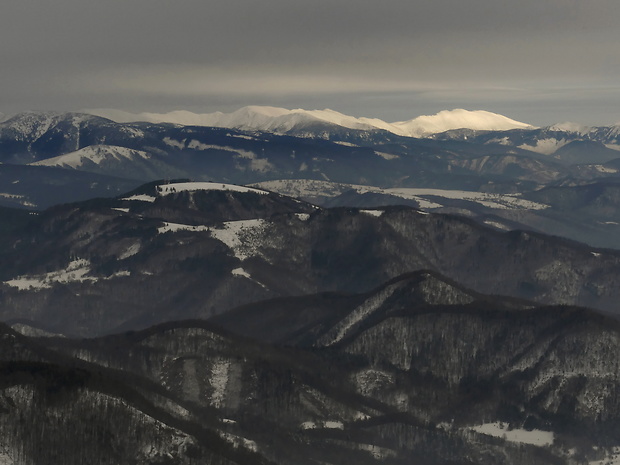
281 120
458 119
569 126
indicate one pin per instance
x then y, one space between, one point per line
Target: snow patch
500 430
131 251
238 441
497 225
242 237
545 146
141 198
569 126
604 169
341 329
611 458
386 156
175 227
219 381
499 201
322 425
19 198
241 272
375 213
378 452
174 143
76 271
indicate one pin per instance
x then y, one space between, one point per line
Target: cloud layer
380 59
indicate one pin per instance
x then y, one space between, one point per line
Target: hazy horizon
537 62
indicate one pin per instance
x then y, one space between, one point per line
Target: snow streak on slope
281 120
534 437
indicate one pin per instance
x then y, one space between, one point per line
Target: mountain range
487 175
178 250
305 287
281 120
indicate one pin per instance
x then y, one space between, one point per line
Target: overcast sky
538 61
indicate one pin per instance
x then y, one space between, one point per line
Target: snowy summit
281 120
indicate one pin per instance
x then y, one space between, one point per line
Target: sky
537 61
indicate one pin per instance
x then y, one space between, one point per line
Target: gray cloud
160 55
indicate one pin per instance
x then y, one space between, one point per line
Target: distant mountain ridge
281 120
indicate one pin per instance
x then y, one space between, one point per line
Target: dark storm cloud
159 55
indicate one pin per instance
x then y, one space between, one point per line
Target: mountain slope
40 187
158 255
425 370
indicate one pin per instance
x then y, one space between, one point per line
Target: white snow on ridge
457 119
569 126
500 201
426 198
96 154
282 120
173 188
165 189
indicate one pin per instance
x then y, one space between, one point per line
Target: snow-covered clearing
76 271
545 146
612 458
141 198
500 430
322 424
242 237
175 227
499 201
